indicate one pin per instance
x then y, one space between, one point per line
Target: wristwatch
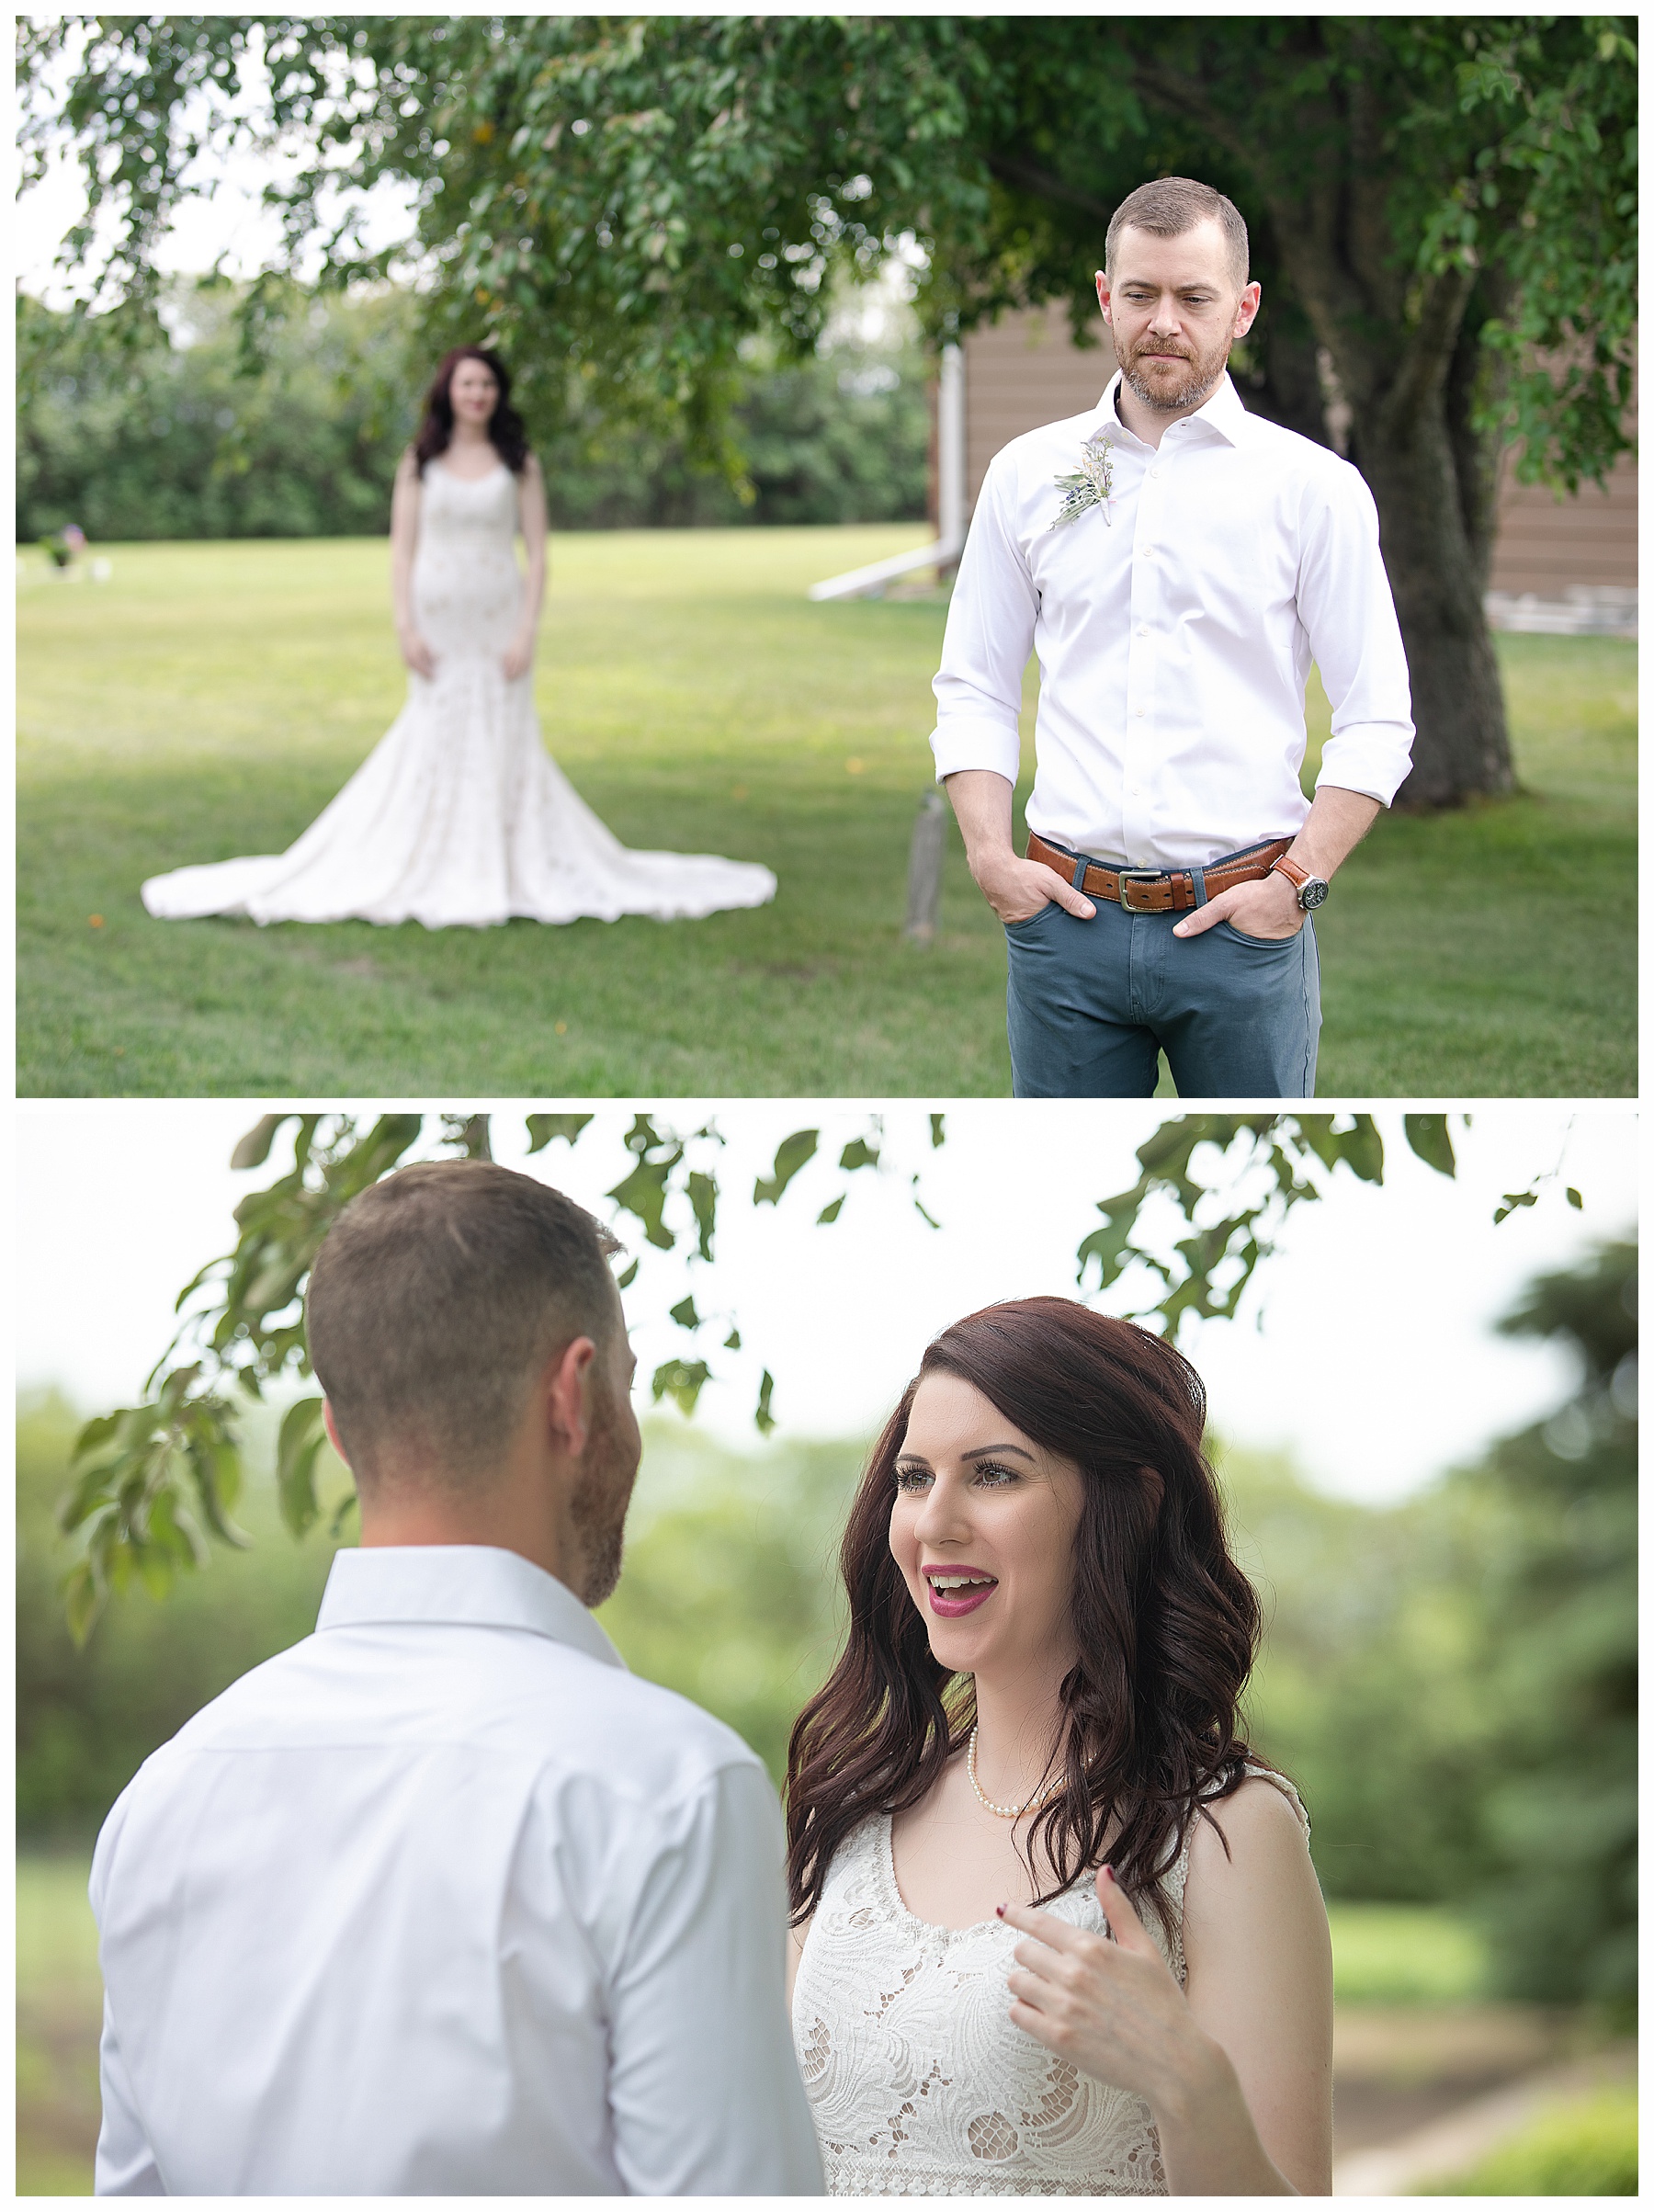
1311 890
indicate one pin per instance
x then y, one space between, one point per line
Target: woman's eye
912 1478
995 1477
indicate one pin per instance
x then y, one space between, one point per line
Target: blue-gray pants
1090 1005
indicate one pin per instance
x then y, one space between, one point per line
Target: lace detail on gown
918 2083
459 817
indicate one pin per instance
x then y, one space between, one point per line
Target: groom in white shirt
443 1901
1176 563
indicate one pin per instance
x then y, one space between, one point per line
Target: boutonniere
1089 485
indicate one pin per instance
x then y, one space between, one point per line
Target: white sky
234 225
1375 1363
232 222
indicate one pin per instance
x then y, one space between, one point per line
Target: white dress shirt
1175 633
445 1901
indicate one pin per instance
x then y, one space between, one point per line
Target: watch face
1312 893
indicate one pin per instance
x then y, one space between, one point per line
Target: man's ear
1246 308
1103 301
565 1394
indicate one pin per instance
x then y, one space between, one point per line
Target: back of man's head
435 1301
1169 206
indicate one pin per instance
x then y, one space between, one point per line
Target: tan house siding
1546 545
1021 372
1026 370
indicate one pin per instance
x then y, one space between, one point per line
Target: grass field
211 699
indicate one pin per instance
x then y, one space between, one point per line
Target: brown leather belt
1155 890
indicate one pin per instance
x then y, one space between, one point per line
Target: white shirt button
1140 712
1147 552
1142 629
1155 471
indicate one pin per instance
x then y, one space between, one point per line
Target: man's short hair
438 1297
1172 205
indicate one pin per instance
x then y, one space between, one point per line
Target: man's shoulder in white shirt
499 1684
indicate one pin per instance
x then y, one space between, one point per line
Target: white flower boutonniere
1089 485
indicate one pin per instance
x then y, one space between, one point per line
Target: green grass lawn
60 2004
1405 1955
211 699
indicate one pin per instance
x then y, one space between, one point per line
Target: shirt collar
1224 411
477 1585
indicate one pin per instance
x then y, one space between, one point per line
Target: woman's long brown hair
1166 1623
506 430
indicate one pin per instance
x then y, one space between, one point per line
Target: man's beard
1204 370
597 1505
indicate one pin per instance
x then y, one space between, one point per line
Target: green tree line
153 427
1450 1680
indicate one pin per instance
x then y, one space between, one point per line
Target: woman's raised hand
1112 2009
1115 2012
518 657
417 652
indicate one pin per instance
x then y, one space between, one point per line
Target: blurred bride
459 817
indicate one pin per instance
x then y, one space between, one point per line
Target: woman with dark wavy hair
1056 1929
459 817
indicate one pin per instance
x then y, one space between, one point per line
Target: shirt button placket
1139 686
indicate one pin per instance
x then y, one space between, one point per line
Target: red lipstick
965 1596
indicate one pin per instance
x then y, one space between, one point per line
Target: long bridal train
459 818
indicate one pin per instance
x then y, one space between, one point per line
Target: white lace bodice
467 587
920 2084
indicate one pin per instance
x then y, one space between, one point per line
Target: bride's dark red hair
1166 1623
505 427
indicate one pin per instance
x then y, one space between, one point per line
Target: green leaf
937 1138
684 1313
831 1211
791 1155
468 1134
703 1202
1432 1140
682 1381
643 1194
298 1443
858 1152
253 1148
1512 1200
625 1280
1574 1199
732 1341
543 1129
762 1419
83 1601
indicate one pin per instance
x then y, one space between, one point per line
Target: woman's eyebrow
981 1451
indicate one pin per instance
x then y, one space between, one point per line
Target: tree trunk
1410 386
1462 746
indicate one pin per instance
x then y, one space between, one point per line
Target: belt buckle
1124 875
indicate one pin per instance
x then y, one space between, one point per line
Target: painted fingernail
998 1912
1113 1877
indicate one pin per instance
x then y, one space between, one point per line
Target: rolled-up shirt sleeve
704 2087
1349 614
989 635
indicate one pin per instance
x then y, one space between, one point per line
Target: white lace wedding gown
459 817
918 2083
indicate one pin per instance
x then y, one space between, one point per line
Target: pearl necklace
1005 1813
